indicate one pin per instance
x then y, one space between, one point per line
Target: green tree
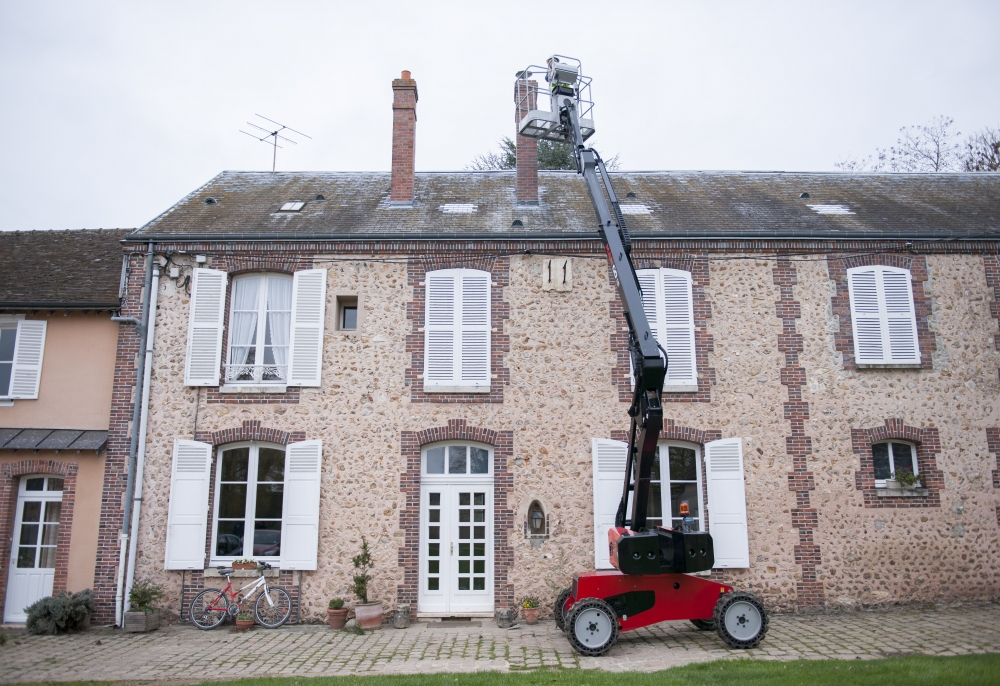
551 155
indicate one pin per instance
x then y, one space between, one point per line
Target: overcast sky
113 111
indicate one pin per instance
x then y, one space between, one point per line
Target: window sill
239 388
901 492
681 389
6 403
915 365
457 389
241 573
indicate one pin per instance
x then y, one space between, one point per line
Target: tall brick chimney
525 98
404 133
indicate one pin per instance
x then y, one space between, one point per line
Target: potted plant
905 479
142 615
530 607
367 614
336 614
245 563
244 620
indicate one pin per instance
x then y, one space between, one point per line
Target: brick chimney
525 98
404 133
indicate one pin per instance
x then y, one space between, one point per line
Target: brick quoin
10 479
991 263
503 516
993 445
404 135
928 446
810 593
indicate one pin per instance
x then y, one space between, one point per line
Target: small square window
348 313
292 206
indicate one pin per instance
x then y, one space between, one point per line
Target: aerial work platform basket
539 117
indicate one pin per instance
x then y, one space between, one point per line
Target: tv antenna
274 136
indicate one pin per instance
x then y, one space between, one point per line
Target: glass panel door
34 544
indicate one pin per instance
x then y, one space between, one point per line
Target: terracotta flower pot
531 614
337 618
244 624
369 615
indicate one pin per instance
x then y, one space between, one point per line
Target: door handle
453 548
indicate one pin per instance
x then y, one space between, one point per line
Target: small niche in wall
348 312
536 522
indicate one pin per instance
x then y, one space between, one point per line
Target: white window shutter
204 347
306 341
677 328
300 519
475 328
187 512
457 322
727 502
609 479
900 316
29 348
440 330
883 316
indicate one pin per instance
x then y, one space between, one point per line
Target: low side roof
665 204
77 269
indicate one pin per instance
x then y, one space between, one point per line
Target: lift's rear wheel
559 608
704 624
592 627
740 619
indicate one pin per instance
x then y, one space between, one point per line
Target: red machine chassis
677 596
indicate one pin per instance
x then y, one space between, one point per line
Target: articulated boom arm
649 364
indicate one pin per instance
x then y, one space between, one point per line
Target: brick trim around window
251 430
10 476
503 516
499 270
697 265
928 446
837 267
993 445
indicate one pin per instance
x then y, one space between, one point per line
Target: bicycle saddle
226 572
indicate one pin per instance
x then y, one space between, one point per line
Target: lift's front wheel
704 624
592 627
740 619
559 608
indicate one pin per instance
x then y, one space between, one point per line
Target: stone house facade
437 362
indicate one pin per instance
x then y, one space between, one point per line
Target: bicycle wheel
275 613
209 609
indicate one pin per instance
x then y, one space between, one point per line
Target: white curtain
279 319
243 332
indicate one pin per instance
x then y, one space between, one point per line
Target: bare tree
982 151
932 147
551 155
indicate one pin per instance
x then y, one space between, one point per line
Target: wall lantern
537 522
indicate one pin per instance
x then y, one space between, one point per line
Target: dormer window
260 325
294 206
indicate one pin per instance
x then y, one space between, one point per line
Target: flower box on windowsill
900 491
214 572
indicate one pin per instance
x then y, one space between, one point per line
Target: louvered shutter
29 348
457 331
440 330
300 518
668 304
883 316
306 339
204 347
187 511
609 478
727 503
475 328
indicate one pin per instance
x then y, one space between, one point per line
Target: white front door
456 531
33 549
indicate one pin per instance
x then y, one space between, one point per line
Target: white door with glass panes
33 550
456 530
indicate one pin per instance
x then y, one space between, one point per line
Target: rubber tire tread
585 604
260 599
559 606
720 626
207 627
704 624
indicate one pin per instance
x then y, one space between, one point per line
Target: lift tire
559 608
592 627
740 619
704 624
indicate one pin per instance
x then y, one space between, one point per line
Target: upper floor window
892 458
883 315
457 331
259 331
22 344
668 303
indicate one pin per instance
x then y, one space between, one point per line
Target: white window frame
261 331
26 362
658 323
8 322
880 483
665 498
457 383
863 318
251 506
447 477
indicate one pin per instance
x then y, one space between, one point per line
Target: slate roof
52 439
679 205
78 269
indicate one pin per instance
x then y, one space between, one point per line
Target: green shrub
63 612
905 478
336 603
363 564
143 594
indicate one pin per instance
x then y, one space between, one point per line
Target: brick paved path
182 653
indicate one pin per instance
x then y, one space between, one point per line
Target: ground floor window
250 489
675 489
891 458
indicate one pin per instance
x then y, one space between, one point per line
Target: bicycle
210 608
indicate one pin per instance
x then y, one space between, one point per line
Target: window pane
25 558
32 511
480 515
433 566
229 539
880 456
463 499
463 532
479 499
270 464
902 457
435 463
463 515
269 500
436 497
8 336
5 371
479 460
480 531
267 539
655 473
434 516
50 534
36 484
350 320
29 534
463 566
432 583
434 532
434 549
479 566
235 464
683 464
654 508
232 501
54 484
52 512
47 558
463 549
463 583
684 493
478 583
456 459
479 549
279 294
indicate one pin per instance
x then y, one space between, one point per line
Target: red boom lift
652 580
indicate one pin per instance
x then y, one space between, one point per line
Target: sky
113 111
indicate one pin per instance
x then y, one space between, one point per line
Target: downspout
141 456
136 395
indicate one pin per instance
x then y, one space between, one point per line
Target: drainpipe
141 456
136 406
